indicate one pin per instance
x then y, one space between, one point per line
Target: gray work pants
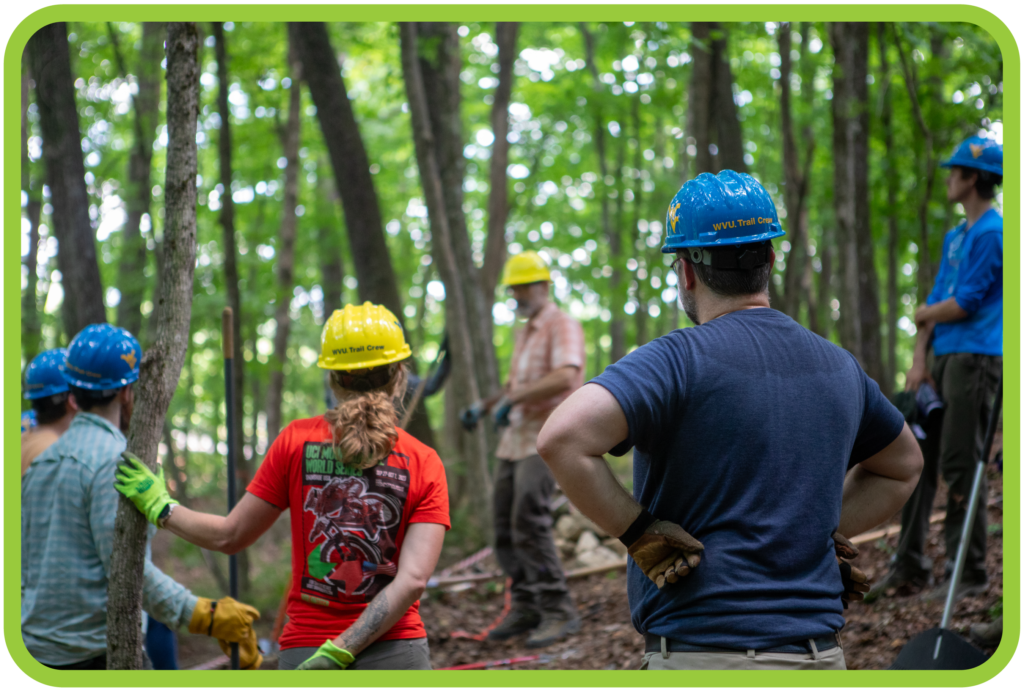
967 384
524 544
404 653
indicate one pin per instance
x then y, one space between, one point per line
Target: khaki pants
827 659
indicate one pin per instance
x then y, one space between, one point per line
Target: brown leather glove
229 621
665 552
855 581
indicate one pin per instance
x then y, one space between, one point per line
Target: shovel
940 648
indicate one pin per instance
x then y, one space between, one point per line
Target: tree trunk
440 66
924 257
227 221
286 248
351 165
31 335
701 90
497 200
332 268
464 388
617 327
870 315
808 69
730 135
844 116
65 176
161 365
892 213
131 281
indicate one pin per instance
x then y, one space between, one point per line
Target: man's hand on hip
855 581
665 552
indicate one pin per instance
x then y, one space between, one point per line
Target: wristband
637 528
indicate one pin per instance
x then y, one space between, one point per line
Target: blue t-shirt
744 429
972 272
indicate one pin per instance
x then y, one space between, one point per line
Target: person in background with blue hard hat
757 446
68 506
51 404
962 327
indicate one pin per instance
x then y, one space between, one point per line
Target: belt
653 645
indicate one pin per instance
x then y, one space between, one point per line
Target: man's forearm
551 384
380 615
591 486
948 310
869 500
202 529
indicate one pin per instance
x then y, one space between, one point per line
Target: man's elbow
549 440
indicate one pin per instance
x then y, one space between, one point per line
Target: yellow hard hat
526 267
362 336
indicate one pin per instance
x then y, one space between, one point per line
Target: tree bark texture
892 215
131 280
286 248
713 120
30 328
860 316
351 165
497 200
465 386
162 363
227 222
440 66
65 176
612 235
924 256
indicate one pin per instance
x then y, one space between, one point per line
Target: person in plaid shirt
547 365
68 506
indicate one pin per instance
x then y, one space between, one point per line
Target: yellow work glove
229 621
665 552
855 581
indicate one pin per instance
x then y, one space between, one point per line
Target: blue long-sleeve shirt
972 272
68 506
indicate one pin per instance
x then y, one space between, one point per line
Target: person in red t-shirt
368 503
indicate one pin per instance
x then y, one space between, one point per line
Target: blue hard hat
28 420
979 154
44 376
102 357
720 210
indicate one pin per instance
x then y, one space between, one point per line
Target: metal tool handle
972 508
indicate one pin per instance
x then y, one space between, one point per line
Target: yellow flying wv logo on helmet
130 358
977 150
673 216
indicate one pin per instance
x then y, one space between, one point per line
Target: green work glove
330 657
146 490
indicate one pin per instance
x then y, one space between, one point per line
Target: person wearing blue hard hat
958 351
757 445
68 509
52 407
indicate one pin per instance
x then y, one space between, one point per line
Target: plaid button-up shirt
550 339
68 505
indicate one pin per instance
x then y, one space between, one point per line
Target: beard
689 305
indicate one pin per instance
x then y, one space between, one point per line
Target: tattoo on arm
367 627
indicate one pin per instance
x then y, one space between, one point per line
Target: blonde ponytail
363 423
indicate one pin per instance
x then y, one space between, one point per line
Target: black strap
637 528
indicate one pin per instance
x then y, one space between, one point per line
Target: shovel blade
954 652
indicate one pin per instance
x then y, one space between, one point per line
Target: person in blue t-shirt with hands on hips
757 446
962 323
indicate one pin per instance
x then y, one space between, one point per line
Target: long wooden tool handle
227 336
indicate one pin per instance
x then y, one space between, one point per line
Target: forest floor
872 637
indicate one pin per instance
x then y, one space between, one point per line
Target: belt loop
839 640
664 648
751 653
814 648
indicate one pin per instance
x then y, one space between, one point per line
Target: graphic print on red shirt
348 525
350 519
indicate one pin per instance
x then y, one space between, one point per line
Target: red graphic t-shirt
347 526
